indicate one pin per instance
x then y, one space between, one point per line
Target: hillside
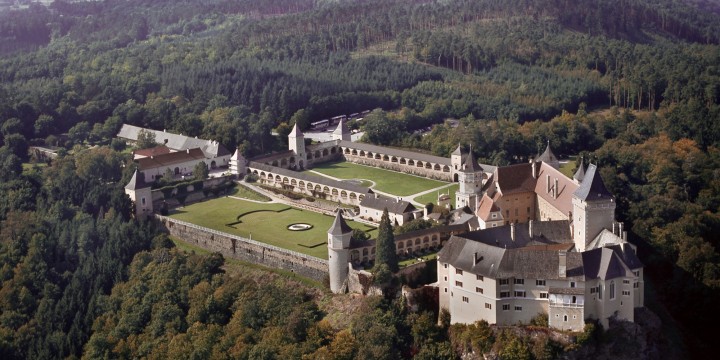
633 85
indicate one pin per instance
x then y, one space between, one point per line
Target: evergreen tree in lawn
386 244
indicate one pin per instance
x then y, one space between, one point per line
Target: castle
537 242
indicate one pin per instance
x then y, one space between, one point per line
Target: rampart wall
240 248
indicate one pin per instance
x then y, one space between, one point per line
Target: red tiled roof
170 159
158 150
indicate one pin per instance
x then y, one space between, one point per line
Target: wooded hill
234 70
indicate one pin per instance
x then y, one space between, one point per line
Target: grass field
386 181
432 197
246 193
568 168
265 223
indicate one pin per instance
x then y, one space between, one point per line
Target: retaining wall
240 248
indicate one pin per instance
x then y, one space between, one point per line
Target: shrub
541 319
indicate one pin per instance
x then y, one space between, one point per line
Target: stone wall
240 248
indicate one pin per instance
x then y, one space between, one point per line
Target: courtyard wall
240 248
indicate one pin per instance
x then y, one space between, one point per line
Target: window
445 289
445 278
494 225
520 294
458 283
637 273
465 299
626 292
143 201
479 277
479 290
543 295
572 284
636 285
488 306
458 271
506 307
519 281
445 266
504 294
504 281
565 318
494 216
599 291
626 282
518 308
539 282
612 290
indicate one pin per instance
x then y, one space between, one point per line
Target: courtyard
385 181
265 222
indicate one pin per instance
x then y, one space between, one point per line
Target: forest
631 85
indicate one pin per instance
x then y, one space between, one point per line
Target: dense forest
633 85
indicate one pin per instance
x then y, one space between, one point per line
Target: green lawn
432 197
246 193
265 223
568 168
385 180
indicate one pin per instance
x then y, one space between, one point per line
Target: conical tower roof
339 226
470 164
136 182
341 128
548 156
296 132
457 151
580 173
592 187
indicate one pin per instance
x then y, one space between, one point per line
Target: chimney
534 168
475 258
548 183
613 229
562 265
512 231
530 228
187 150
555 193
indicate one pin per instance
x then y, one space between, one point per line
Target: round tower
339 236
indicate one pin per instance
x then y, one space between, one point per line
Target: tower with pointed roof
593 209
456 162
341 132
580 173
549 157
470 178
296 143
140 193
339 236
237 164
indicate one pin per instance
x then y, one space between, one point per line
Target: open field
385 180
432 197
265 223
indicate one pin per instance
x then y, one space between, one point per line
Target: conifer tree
385 244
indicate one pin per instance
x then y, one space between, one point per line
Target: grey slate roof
137 181
593 188
381 202
339 226
457 151
580 173
548 156
470 165
320 180
395 152
544 232
175 141
296 132
341 128
610 262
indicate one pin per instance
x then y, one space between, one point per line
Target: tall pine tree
385 243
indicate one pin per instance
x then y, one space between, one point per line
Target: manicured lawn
413 260
432 197
386 181
246 193
265 223
568 168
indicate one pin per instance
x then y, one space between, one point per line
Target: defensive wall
240 248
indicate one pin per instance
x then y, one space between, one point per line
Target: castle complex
536 241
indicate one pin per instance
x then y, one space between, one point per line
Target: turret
549 157
140 193
470 181
580 173
593 208
456 159
237 164
296 143
341 132
339 236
